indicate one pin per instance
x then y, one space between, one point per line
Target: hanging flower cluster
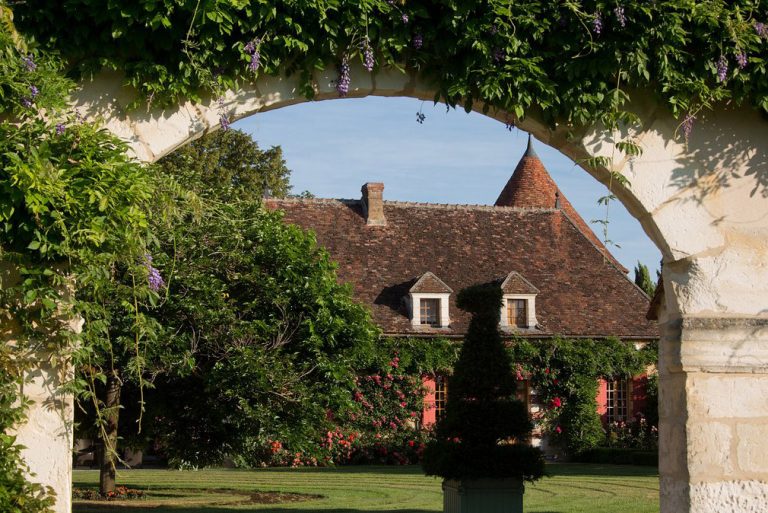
154 278
342 83
252 48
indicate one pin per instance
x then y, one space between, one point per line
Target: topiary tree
485 430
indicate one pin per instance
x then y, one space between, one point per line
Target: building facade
406 261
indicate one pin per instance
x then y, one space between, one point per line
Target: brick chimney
373 204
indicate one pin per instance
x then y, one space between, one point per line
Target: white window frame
618 399
530 309
415 307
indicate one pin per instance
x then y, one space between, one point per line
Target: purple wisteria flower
761 29
742 59
404 17
155 280
29 63
26 102
342 83
722 68
687 125
417 41
252 48
33 91
368 59
597 23
224 122
253 66
619 12
498 55
60 128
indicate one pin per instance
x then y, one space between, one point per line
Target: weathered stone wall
47 433
714 408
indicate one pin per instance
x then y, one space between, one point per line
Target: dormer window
518 309
428 302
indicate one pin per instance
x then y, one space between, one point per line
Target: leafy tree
485 429
219 167
228 165
643 279
274 337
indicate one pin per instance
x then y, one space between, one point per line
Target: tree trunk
108 453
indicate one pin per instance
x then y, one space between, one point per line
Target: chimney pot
373 204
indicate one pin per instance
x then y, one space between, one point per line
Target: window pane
441 396
430 312
618 400
517 314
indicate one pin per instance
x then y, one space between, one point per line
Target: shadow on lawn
241 509
593 469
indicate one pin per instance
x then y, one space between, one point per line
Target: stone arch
702 202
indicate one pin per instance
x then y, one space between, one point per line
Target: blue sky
334 147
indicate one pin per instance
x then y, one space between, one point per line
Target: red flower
546 371
558 430
557 402
411 443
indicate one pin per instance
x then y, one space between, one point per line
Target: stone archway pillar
713 410
47 432
704 202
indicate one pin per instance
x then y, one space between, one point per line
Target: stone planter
483 496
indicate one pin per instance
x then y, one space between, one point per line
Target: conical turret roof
531 186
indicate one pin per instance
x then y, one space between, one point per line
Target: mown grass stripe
570 489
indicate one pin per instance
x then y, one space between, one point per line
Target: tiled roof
581 293
531 186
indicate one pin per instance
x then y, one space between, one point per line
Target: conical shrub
485 429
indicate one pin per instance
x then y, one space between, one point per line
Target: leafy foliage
572 62
484 431
643 279
274 337
565 373
74 209
226 165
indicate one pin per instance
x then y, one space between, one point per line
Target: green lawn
571 489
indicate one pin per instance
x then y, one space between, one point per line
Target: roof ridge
423 204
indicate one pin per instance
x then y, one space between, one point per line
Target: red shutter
428 415
602 398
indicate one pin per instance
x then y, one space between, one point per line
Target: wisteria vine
561 59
